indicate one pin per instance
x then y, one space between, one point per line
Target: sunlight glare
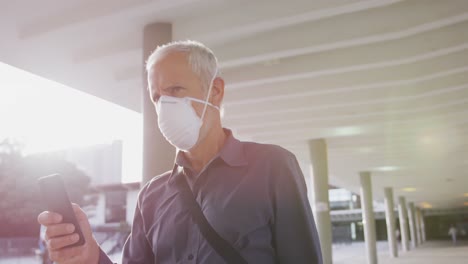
47 116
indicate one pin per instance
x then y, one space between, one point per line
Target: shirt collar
232 153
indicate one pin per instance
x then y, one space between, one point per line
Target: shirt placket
192 252
194 237
197 234
197 238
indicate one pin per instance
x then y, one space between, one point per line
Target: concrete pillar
390 220
403 215
418 226
412 225
100 216
158 154
319 160
423 227
132 198
368 217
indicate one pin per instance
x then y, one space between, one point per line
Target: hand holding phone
56 199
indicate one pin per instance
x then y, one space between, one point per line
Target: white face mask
178 121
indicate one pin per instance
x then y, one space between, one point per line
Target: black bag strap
221 246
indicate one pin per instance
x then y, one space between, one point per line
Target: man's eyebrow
172 87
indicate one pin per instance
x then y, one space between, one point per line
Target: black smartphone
56 199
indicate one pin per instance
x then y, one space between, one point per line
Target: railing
12 249
19 246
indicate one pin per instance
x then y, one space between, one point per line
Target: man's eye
175 89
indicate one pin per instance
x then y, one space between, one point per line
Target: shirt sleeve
103 258
137 248
295 235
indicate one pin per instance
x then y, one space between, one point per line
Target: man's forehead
170 67
172 60
164 78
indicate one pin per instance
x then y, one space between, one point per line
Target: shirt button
190 257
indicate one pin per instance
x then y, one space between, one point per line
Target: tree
20 199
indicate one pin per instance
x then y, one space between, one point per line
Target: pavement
36 260
431 252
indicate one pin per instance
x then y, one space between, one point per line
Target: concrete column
158 154
368 217
390 220
319 160
423 227
418 226
412 225
403 215
132 198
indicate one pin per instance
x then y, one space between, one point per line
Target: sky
47 116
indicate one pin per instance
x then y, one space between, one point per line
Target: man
453 234
253 195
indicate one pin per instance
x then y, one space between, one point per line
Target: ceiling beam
287 135
359 59
332 86
93 14
365 56
393 114
115 46
217 28
82 11
248 117
391 95
313 38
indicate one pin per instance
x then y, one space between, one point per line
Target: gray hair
201 59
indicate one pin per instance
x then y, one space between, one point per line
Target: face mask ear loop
208 95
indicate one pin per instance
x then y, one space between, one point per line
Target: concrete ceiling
384 82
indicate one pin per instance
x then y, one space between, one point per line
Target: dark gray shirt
254 196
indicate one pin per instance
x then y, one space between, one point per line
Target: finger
90 248
66 255
79 213
82 219
59 230
63 241
49 218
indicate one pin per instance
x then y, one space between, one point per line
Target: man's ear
217 92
